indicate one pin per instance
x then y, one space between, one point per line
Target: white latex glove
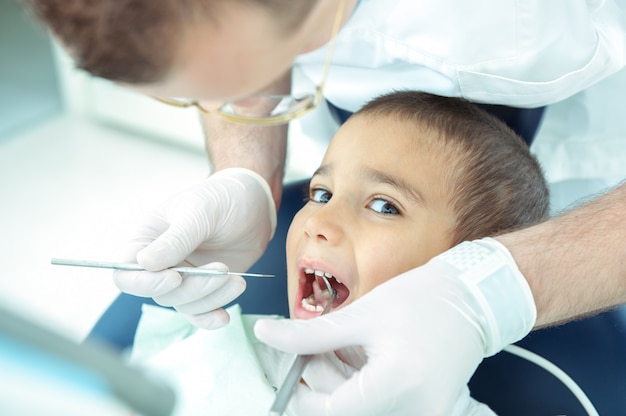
230 218
424 333
327 372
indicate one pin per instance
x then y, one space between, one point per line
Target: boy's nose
325 224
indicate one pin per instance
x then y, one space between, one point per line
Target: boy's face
378 207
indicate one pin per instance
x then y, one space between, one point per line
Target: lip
305 285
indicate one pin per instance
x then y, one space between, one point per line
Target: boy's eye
384 207
320 195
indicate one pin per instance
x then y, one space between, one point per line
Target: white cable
557 372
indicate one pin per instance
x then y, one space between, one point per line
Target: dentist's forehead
227 61
224 70
243 54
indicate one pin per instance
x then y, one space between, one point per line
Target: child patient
404 179
407 177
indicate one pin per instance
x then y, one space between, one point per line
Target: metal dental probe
134 266
297 368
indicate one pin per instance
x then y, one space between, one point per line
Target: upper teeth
320 273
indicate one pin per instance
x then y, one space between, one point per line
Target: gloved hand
424 333
230 217
327 372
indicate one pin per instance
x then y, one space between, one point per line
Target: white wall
105 102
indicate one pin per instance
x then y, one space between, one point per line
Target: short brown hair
496 183
135 41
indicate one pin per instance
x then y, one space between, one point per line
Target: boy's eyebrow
398 183
375 175
322 170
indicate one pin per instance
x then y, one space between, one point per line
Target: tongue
321 296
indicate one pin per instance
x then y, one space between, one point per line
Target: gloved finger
336 330
234 286
356 396
351 325
174 245
384 381
325 372
310 403
353 357
193 287
305 401
142 236
146 284
210 320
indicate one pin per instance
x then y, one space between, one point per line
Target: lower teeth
310 305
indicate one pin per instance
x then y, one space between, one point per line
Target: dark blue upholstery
591 351
524 121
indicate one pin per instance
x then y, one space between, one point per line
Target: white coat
524 53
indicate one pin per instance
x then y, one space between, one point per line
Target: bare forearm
258 148
576 263
261 149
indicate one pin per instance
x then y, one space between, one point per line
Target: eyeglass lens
268 106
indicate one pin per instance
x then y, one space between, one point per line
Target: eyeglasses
270 109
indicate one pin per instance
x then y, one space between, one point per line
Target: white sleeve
527 53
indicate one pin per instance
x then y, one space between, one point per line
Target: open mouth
315 295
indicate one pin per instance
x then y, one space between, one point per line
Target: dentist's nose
325 225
